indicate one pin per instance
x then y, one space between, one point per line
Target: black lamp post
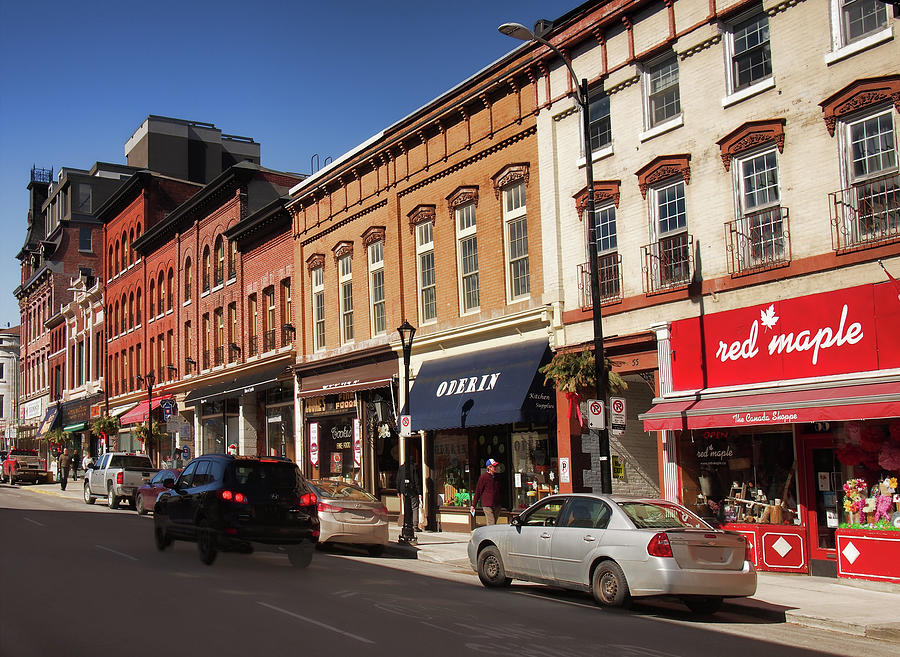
149 378
582 97
407 331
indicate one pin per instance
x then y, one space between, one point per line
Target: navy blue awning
49 421
492 386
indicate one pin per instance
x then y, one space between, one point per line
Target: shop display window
335 449
729 476
868 453
452 469
534 466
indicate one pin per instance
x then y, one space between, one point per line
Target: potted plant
572 372
149 434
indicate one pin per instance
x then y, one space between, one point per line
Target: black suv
229 503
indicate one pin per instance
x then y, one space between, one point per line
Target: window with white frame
607 252
376 286
749 51
671 263
760 225
872 200
425 263
661 93
467 252
854 20
600 128
345 281
318 306
515 222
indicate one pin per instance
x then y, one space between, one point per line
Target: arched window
125 243
232 260
170 290
131 250
206 269
125 324
138 306
152 300
161 292
187 279
131 310
115 267
109 263
116 319
220 260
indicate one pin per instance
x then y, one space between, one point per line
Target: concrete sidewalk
850 606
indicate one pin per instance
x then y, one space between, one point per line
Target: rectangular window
376 286
252 315
286 316
860 18
232 322
84 239
188 353
467 252
269 319
515 220
601 127
661 91
345 280
207 338
873 149
85 205
671 251
760 228
607 253
750 52
318 306
425 259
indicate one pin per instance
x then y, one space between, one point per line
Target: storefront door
821 477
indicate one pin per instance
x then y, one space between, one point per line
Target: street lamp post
582 97
149 379
407 331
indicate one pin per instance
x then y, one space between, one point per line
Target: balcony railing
130 383
233 354
866 214
253 345
206 360
269 340
162 374
205 282
219 355
758 241
124 389
668 263
287 336
610 274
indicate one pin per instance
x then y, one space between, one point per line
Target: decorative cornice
341 249
700 47
604 190
569 111
858 95
508 175
373 234
783 6
750 135
461 196
662 167
343 222
315 261
420 214
622 85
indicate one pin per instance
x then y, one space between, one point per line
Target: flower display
855 495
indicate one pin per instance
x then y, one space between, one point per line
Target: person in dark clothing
410 489
64 463
488 491
76 460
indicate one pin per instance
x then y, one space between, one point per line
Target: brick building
436 221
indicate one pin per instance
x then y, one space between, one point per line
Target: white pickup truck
116 476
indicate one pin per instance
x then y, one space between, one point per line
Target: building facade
9 384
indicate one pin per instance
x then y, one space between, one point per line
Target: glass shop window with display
336 449
454 478
534 466
739 477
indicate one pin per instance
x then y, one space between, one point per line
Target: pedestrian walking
76 460
410 489
63 465
87 462
488 491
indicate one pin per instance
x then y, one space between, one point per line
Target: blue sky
300 77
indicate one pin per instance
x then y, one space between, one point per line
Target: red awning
823 404
139 412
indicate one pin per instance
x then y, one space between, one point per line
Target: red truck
23 465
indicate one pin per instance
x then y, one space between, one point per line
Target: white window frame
464 235
747 216
515 215
656 235
376 270
318 307
345 286
734 94
425 249
650 126
841 46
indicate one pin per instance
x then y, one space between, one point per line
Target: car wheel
206 543
112 501
300 556
375 550
88 498
609 586
161 538
702 604
139 504
490 568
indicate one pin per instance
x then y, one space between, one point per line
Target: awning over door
351 379
235 385
139 413
822 404
494 386
78 426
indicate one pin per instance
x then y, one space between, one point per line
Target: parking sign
617 415
405 426
596 414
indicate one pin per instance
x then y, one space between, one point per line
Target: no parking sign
617 415
405 426
596 414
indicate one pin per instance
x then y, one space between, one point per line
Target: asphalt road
86 580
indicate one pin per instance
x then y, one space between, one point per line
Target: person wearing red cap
487 490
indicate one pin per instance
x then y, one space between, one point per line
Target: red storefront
792 399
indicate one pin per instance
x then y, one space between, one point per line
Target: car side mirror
515 522
91 466
168 482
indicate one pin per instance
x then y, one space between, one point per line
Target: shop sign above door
823 334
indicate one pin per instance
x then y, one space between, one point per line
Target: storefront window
534 467
452 470
279 430
335 449
219 425
867 461
739 477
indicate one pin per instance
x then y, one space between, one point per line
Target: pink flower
889 458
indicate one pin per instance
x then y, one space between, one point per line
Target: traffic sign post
596 414
405 426
617 415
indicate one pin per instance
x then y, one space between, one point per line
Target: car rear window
255 477
658 515
340 490
23 452
126 461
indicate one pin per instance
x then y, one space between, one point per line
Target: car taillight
382 511
659 546
120 477
229 496
328 508
308 499
748 549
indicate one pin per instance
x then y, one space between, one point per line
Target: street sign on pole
405 426
617 415
596 414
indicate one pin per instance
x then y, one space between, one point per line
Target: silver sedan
616 548
348 514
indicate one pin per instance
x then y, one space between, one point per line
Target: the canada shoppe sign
852 330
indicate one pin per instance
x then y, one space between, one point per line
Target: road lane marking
39 524
121 554
315 622
564 602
